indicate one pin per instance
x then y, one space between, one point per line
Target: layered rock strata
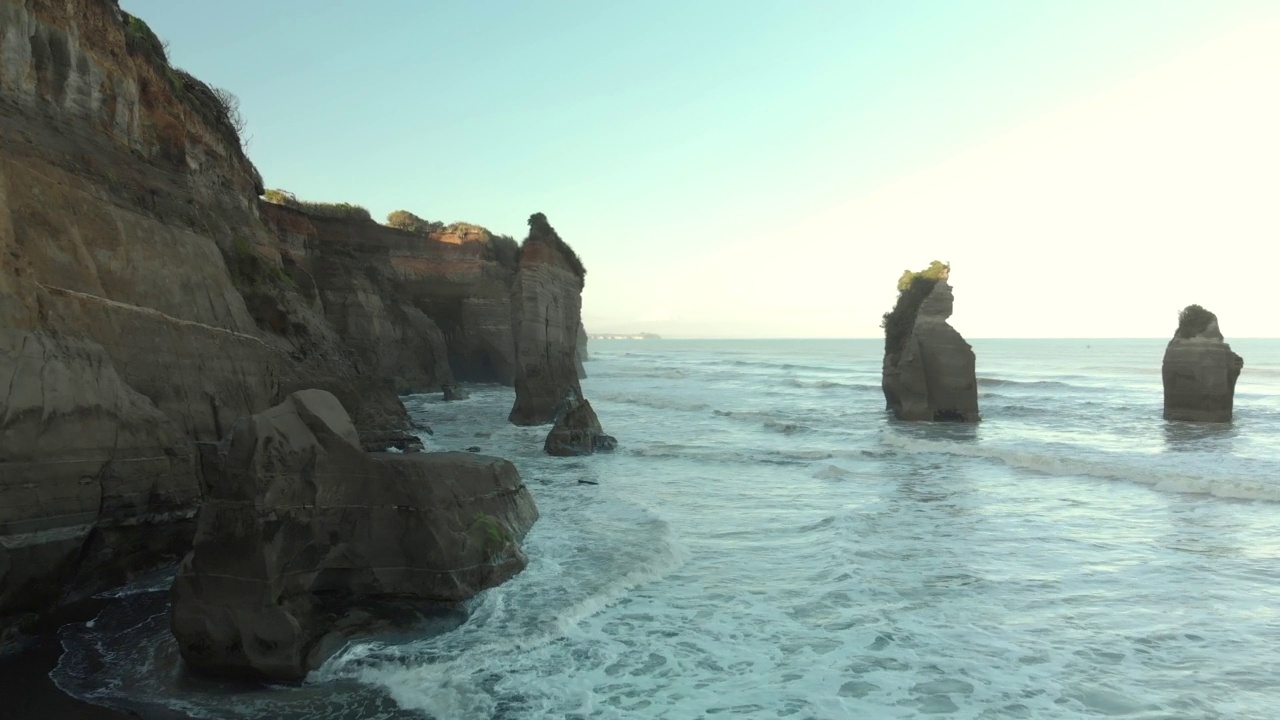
546 306
930 373
305 540
142 307
1200 372
424 308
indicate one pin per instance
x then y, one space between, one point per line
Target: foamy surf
1071 556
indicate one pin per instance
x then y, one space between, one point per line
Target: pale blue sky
702 156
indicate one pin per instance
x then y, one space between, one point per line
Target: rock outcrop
304 539
929 369
1199 370
546 306
577 430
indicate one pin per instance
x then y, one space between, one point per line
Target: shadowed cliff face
546 307
135 264
1199 374
426 308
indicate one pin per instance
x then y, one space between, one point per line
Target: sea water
768 543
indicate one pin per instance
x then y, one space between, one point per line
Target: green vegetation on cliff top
913 288
405 220
540 229
218 107
340 211
1193 320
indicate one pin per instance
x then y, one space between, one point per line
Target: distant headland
624 336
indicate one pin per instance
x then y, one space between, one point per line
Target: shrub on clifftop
340 211
1193 320
913 288
540 229
405 220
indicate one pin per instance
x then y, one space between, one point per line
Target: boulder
577 430
1199 370
305 540
452 392
546 305
930 373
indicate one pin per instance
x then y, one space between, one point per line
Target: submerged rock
452 392
305 540
929 369
1199 370
577 430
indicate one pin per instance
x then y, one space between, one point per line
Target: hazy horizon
767 169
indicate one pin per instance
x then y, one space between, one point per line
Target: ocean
768 543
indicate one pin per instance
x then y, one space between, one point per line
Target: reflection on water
1199 437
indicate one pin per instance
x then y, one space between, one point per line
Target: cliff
424 308
929 369
142 305
546 306
1199 370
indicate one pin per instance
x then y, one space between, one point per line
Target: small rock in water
453 392
474 448
588 482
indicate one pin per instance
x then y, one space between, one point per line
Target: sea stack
546 313
1199 370
577 430
304 540
928 367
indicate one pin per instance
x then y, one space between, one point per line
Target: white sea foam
723 567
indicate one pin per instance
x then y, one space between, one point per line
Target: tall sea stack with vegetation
1199 370
928 367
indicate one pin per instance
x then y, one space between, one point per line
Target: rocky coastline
153 304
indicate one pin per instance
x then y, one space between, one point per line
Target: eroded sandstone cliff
425 308
546 307
140 299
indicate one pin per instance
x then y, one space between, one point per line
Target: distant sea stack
1199 370
546 312
928 367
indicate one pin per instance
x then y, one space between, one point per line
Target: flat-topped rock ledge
305 540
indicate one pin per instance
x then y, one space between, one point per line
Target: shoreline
29 692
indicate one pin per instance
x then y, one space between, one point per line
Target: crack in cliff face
13 379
